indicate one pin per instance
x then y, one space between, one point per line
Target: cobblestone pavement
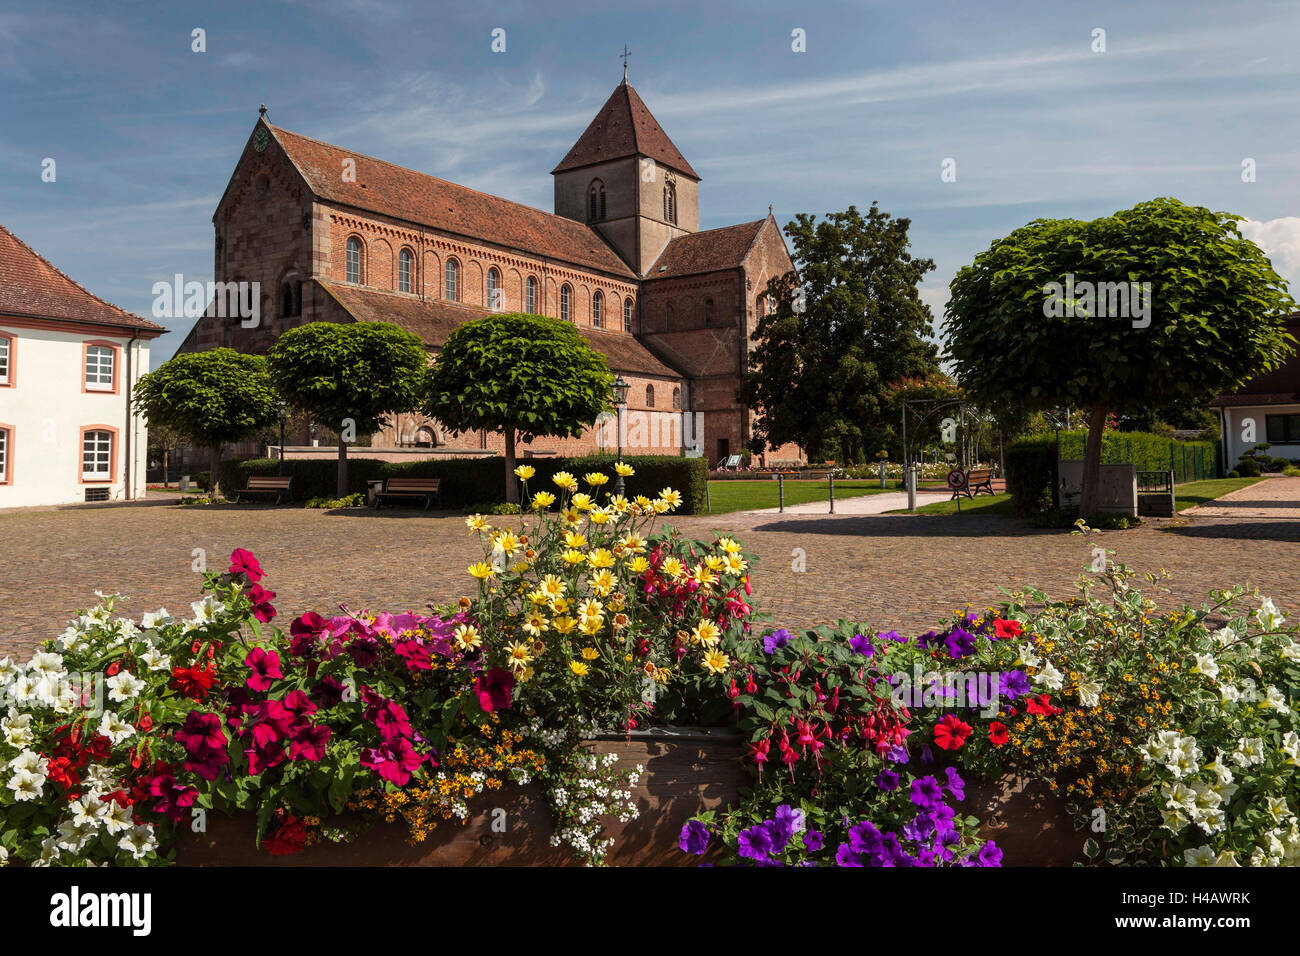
886 570
1272 498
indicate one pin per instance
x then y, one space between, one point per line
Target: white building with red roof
69 362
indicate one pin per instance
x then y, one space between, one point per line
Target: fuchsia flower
200 731
243 562
262 598
394 760
173 797
494 689
265 666
308 742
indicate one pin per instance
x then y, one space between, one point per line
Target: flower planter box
1029 822
686 772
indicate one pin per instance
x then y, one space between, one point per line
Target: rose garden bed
531 721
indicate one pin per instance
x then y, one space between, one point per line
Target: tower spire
626 53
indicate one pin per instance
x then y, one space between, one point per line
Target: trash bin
185 483
373 488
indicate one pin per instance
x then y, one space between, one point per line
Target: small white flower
28 760
1291 747
1250 751
26 785
1276 699
124 685
8 670
207 610
1269 617
1049 677
158 618
1207 665
1090 693
118 817
139 841
156 660
1025 656
1224 635
1277 809
4 856
17 729
114 727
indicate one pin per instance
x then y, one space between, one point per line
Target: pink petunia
243 562
265 667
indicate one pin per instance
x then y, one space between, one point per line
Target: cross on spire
626 53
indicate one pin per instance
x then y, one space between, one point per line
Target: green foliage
1029 464
361 371
357 500
820 376
530 373
209 398
472 481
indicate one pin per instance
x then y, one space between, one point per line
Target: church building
332 235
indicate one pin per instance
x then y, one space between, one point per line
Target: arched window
496 298
354 260
708 312
566 301
677 398
453 284
595 201
597 319
286 299
670 203
649 396
404 262
627 314
530 301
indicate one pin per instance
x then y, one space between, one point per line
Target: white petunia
1291 747
45 662
73 835
26 785
118 818
1229 693
1277 809
1276 699
1250 751
1269 617
8 670
1090 693
139 841
156 660
1226 858
155 618
87 809
124 685
114 727
1025 656
98 779
207 610
1207 665
17 729
1224 635
28 760
1049 677
4 856
1201 856
22 688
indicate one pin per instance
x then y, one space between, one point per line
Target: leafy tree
526 376
208 398
1213 320
841 330
349 377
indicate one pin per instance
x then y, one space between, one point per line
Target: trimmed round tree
1154 305
349 376
526 376
208 398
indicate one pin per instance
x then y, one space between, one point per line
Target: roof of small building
419 198
31 286
708 251
624 127
433 320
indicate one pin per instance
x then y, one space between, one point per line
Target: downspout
130 419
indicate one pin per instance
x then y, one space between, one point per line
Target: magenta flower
262 598
265 666
201 731
261 759
173 797
494 689
415 654
243 562
394 760
308 743
267 722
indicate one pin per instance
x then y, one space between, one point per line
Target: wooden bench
398 490
978 480
277 485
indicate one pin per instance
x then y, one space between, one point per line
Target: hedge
1029 461
474 481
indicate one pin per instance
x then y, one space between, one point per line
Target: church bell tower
626 179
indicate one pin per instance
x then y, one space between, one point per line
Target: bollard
780 488
830 476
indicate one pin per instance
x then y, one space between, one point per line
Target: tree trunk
342 486
512 483
166 467
1088 493
214 458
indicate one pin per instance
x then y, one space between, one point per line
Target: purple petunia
990 854
814 840
960 643
755 843
926 793
956 786
1013 684
694 838
887 780
778 638
861 645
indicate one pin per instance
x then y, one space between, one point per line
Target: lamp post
620 402
282 408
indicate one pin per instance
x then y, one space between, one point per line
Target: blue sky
145 132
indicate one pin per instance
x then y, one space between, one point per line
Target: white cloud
1280 240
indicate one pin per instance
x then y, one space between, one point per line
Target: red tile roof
624 127
31 286
423 199
707 251
432 320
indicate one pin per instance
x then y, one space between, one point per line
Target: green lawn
725 496
983 504
1199 492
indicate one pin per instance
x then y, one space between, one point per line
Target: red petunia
243 562
193 682
950 733
998 734
1042 704
1005 629
288 838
